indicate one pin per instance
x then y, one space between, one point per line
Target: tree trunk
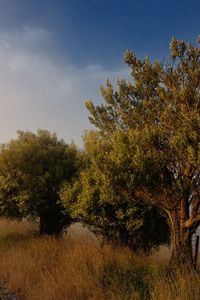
50 224
53 222
181 238
181 251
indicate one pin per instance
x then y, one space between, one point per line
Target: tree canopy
156 119
101 197
32 169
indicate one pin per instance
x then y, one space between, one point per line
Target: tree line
137 179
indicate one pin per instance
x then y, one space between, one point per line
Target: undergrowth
59 269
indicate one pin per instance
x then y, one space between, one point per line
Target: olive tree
157 116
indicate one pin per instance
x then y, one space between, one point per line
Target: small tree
101 198
157 117
32 169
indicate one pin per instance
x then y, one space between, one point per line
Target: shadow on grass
124 282
9 238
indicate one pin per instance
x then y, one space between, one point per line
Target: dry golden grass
49 268
15 226
182 287
68 268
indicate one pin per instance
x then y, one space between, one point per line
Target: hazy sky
55 54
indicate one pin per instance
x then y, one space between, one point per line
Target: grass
14 231
68 268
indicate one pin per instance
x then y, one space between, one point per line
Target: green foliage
32 169
154 124
156 117
101 197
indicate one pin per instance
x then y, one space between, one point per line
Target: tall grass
68 268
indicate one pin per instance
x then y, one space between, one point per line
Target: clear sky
54 54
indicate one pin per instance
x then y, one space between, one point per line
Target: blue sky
55 54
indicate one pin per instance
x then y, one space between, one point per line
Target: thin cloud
38 92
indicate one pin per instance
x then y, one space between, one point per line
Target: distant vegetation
136 183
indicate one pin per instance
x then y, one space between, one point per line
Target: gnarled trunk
181 237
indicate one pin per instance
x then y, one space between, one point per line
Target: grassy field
79 268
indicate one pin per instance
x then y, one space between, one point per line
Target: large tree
32 169
157 117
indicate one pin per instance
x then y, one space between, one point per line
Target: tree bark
181 238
